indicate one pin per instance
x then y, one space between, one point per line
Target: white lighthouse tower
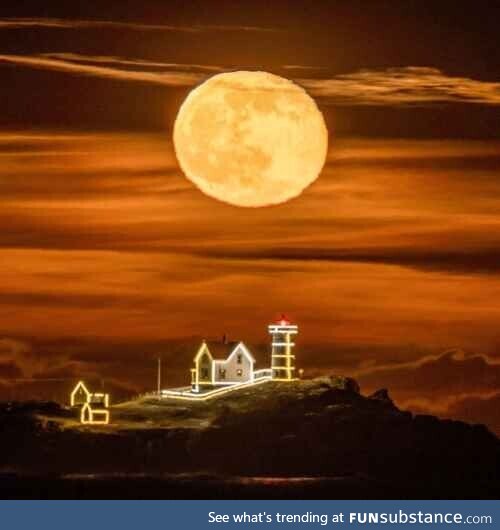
282 358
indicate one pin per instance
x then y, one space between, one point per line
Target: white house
221 364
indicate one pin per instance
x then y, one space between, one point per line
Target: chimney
224 339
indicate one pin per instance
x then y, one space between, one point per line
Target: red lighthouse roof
283 321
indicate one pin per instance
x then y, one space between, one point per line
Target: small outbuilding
94 414
93 405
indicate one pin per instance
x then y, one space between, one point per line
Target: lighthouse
282 358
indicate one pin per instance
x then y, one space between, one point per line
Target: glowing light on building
93 405
80 395
282 358
90 415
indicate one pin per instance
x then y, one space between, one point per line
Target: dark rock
382 395
320 427
351 385
340 382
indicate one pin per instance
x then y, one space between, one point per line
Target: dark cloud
39 234
455 385
11 347
474 408
75 300
478 409
49 369
486 261
451 373
10 370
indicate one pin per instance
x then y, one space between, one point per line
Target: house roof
80 386
226 350
221 350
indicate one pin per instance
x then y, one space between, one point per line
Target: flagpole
159 376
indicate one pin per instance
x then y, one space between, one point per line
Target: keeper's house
219 364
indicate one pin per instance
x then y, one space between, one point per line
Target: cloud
22 361
56 365
167 78
484 261
475 407
12 348
112 60
454 384
478 408
34 369
409 85
15 357
390 87
77 300
61 23
10 370
451 373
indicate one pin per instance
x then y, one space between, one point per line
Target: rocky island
318 438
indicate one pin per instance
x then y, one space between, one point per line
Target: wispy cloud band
390 87
168 78
61 23
112 60
405 85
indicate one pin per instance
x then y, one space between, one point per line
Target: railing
187 395
265 373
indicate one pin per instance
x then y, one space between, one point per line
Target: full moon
250 138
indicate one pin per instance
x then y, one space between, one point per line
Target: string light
94 408
95 416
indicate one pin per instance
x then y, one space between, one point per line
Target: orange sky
109 256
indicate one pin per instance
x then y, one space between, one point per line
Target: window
222 373
204 373
239 372
239 358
